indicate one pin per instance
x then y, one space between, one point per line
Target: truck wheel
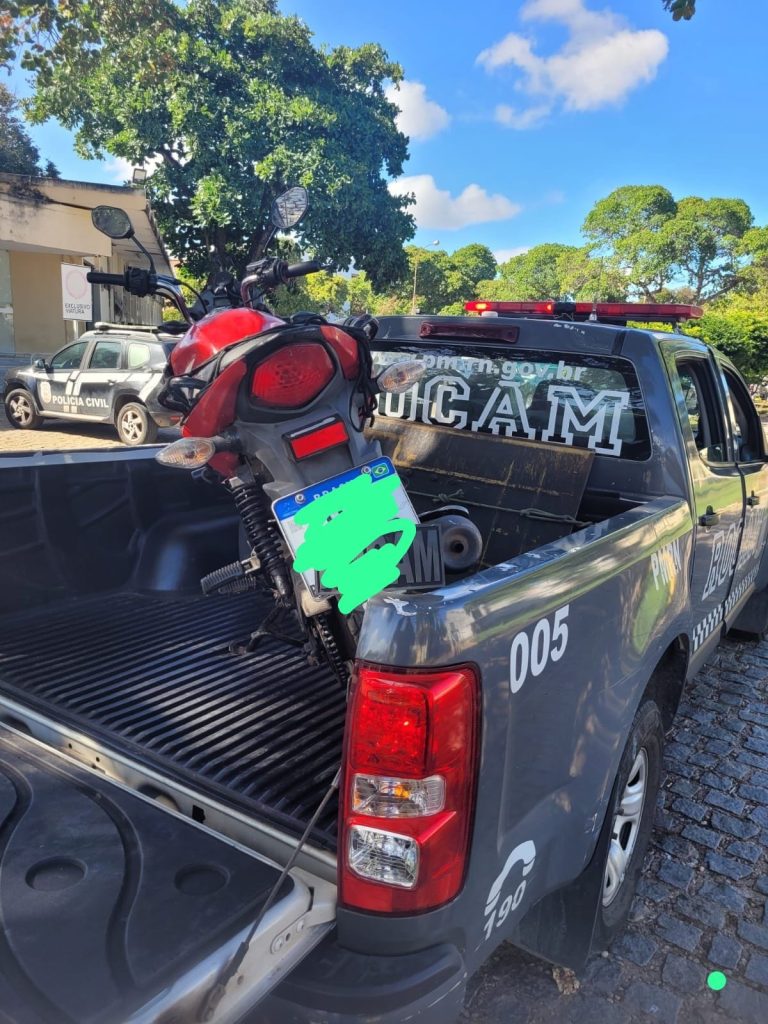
135 425
21 410
632 813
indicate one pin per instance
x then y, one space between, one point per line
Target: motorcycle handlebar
301 269
96 277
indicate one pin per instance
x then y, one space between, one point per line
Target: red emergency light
610 312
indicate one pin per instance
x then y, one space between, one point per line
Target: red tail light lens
318 439
345 348
409 786
292 376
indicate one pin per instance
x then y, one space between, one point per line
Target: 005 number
532 649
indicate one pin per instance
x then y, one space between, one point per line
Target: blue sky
523 114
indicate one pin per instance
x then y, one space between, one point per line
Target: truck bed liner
106 900
153 677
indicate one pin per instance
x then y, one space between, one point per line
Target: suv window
747 429
138 355
70 357
106 355
702 410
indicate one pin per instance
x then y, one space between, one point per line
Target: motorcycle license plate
285 509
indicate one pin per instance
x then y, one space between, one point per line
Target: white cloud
603 60
437 208
419 117
512 118
119 169
502 255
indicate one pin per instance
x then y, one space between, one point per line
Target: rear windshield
564 398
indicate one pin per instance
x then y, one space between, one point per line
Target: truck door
95 384
718 495
748 444
54 383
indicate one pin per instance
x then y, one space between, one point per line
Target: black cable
216 993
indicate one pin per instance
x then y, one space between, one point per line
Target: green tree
753 288
742 335
625 228
360 294
233 102
463 271
704 238
18 153
429 269
680 9
470 264
584 278
661 245
535 274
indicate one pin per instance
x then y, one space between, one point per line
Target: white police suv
111 374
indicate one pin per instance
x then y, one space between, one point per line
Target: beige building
46 222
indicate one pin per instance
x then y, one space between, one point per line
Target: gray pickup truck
155 786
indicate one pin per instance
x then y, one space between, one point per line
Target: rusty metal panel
513 488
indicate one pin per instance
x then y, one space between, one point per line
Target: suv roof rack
102 325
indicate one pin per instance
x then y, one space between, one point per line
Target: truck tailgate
114 909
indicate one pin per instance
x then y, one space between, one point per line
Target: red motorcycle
271 409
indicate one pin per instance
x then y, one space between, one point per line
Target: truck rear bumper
336 986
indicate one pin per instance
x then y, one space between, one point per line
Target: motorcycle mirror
398 377
290 207
112 221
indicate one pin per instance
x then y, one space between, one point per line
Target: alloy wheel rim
131 424
21 410
626 826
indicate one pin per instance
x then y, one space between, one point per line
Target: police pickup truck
109 375
174 844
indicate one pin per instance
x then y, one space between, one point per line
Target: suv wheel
135 425
632 816
21 410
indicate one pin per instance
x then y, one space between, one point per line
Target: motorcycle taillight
292 376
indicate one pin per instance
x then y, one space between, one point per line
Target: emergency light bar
606 312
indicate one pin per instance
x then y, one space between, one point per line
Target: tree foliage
658 243
740 334
443 280
230 102
554 271
18 153
680 9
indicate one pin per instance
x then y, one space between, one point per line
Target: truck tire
632 814
21 410
135 425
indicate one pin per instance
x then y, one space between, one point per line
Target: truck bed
152 676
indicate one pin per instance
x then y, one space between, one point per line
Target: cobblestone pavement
702 904
60 434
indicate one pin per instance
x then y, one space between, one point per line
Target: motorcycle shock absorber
251 503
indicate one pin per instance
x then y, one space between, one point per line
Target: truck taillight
292 376
408 790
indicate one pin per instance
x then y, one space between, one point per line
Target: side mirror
112 221
289 208
40 364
